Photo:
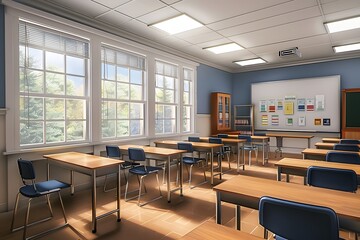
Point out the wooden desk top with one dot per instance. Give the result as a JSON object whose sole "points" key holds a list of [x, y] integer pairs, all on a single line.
{"points": [[195, 144], [154, 150], [211, 231], [320, 152], [327, 145], [305, 164], [252, 137], [343, 203], [225, 140], [84, 160], [288, 135], [331, 140]]}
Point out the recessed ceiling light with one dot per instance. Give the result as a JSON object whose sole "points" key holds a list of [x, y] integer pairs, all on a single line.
{"points": [[177, 24], [224, 48], [250, 61], [343, 25], [347, 48]]}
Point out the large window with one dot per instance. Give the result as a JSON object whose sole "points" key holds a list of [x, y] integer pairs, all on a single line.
{"points": [[53, 80], [122, 93], [166, 98], [188, 99]]}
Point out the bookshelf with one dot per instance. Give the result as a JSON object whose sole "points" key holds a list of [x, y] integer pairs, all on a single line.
{"points": [[243, 119], [220, 112]]}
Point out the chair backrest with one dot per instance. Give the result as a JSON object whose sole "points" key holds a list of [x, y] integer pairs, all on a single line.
{"points": [[113, 151], [136, 154], [349, 141], [343, 157], [346, 147], [293, 220], [332, 178], [215, 140], [185, 146], [246, 137], [194, 139], [222, 135], [26, 169]]}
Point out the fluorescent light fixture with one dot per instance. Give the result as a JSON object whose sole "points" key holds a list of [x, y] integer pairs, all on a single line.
{"points": [[224, 48], [343, 25], [250, 61], [177, 24], [347, 48]]}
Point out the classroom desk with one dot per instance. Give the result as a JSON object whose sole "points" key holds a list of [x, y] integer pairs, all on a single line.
{"points": [[162, 154], [239, 144], [93, 166], [318, 154], [209, 230], [298, 167], [197, 146], [280, 136], [331, 140], [326, 145], [247, 191]]}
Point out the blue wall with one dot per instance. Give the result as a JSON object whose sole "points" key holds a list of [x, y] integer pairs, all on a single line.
{"points": [[2, 57], [209, 80], [349, 71]]}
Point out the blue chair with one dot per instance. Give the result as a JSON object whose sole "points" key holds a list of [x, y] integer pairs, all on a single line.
{"points": [[191, 160], [138, 154], [249, 146], [225, 147], [343, 157], [349, 141], [197, 139], [346, 147], [336, 179], [194, 139], [114, 152], [298, 221], [221, 153], [31, 190]]}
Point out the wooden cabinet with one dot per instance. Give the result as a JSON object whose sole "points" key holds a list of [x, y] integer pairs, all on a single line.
{"points": [[243, 119], [350, 113], [220, 112]]}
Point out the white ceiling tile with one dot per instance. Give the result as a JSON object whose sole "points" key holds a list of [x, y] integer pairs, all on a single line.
{"points": [[89, 9], [214, 42], [199, 36], [138, 8], [340, 5], [171, 1], [111, 3], [346, 37], [114, 18], [159, 15], [352, 12]]}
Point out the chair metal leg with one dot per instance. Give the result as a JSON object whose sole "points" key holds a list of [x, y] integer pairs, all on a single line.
{"points": [[27, 218], [62, 207], [140, 187], [15, 211], [49, 204], [266, 233], [249, 157], [157, 179], [190, 173]]}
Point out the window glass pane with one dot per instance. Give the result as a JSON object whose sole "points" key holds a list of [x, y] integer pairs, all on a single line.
{"points": [[187, 112], [159, 126], [136, 127], [159, 81], [136, 111], [109, 110], [186, 125], [122, 128], [122, 110], [32, 57], [136, 76], [169, 82], [76, 109], [55, 83], [159, 111], [55, 132], [75, 86], [75, 65], [109, 89], [108, 128], [186, 86], [32, 81], [108, 71], [55, 109], [55, 62], [122, 74], [123, 91], [76, 130], [186, 98], [169, 111], [31, 108], [160, 97], [169, 126], [136, 92], [31, 132], [169, 96]]}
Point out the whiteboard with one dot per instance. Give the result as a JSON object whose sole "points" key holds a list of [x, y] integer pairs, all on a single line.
{"points": [[324, 118]]}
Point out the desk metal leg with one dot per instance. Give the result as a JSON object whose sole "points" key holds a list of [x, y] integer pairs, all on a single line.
{"points": [[238, 157], [279, 174], [237, 217], [212, 166], [118, 187], [93, 215], [263, 151], [72, 186], [181, 176], [308, 142], [48, 170], [218, 208], [168, 180]]}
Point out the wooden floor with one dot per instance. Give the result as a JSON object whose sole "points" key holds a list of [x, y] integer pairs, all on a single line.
{"points": [[157, 220]]}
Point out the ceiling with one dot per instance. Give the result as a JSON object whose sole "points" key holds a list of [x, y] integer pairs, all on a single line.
{"points": [[262, 27]]}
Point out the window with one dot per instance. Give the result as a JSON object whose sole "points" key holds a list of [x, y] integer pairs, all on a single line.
{"points": [[122, 93], [53, 80], [166, 100], [187, 99]]}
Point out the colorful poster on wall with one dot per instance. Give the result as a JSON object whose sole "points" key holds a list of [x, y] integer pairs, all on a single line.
{"points": [[301, 104], [280, 105], [302, 121], [317, 121], [326, 122], [289, 121], [271, 105], [310, 104], [264, 120], [289, 108], [263, 106], [275, 120], [320, 102]]}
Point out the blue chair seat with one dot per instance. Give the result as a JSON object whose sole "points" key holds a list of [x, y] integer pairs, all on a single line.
{"points": [[191, 160], [141, 170]]}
